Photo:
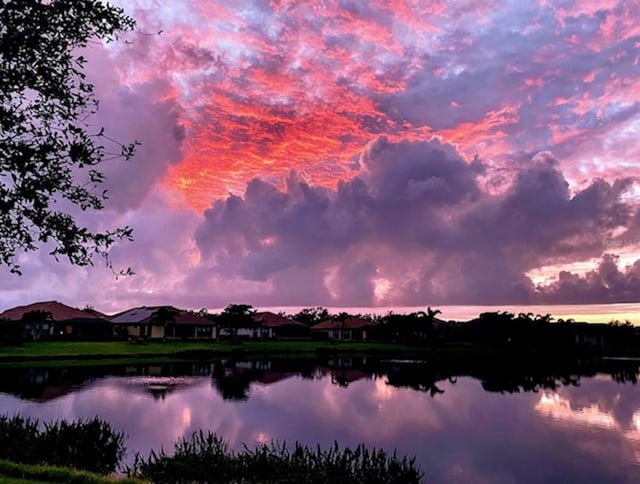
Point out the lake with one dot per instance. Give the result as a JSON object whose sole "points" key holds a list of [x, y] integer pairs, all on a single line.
{"points": [[571, 421]]}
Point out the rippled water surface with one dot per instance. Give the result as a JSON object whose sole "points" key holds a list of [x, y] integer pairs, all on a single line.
{"points": [[482, 425]]}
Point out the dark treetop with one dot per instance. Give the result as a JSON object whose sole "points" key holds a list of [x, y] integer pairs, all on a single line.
{"points": [[48, 151]]}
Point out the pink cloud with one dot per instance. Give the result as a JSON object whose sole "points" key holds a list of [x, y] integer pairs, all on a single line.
{"points": [[233, 97]]}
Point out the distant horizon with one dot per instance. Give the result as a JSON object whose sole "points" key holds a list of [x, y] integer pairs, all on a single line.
{"points": [[600, 313], [590, 313]]}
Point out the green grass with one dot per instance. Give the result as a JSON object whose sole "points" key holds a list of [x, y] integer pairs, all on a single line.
{"points": [[68, 363], [54, 353], [12, 472], [111, 348], [15, 480], [117, 349]]}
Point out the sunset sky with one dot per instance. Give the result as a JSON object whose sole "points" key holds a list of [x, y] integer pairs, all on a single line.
{"points": [[378, 153]]}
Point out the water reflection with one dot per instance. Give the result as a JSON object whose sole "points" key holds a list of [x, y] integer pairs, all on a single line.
{"points": [[529, 422]]}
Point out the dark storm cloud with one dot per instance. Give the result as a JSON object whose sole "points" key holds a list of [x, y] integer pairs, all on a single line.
{"points": [[417, 218], [608, 283]]}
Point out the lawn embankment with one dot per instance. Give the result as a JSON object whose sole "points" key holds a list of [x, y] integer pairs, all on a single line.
{"points": [[55, 353], [12, 472], [87, 353]]}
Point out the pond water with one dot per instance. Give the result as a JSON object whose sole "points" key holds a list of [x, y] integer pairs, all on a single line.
{"points": [[574, 422]]}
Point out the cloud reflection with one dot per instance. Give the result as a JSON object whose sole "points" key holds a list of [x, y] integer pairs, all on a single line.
{"points": [[463, 434]]}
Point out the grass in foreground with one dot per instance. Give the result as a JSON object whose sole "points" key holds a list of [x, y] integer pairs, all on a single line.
{"points": [[56, 451], [12, 472]]}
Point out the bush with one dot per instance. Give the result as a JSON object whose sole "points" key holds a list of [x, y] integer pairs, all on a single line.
{"points": [[84, 444], [206, 458], [92, 445], [19, 439], [48, 473], [10, 332]]}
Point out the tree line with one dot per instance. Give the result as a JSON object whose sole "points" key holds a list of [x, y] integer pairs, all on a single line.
{"points": [[499, 329]]}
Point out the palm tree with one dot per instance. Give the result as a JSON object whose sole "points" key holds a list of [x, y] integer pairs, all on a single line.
{"points": [[342, 319], [162, 317], [525, 317], [544, 319], [565, 321], [431, 317], [431, 313]]}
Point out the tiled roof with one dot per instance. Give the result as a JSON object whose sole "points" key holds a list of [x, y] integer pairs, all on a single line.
{"points": [[133, 316], [352, 322], [59, 311], [272, 320], [143, 314], [184, 317], [96, 313]]}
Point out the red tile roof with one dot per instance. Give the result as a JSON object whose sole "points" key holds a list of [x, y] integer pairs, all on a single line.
{"points": [[271, 320], [352, 322], [59, 311], [184, 317], [96, 313]]}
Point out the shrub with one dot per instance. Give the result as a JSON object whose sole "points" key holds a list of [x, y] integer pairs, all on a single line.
{"points": [[84, 444], [205, 458], [11, 332], [48, 473]]}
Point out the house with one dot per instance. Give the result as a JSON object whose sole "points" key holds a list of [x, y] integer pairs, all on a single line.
{"points": [[187, 325], [352, 328], [138, 323], [271, 325], [248, 332], [162, 322], [590, 334], [54, 320]]}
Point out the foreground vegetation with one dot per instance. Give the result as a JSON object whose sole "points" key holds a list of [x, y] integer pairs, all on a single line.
{"points": [[205, 457], [13, 472], [51, 452], [90, 445]]}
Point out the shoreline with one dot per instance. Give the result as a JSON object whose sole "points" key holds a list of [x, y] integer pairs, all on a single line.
{"points": [[115, 353]]}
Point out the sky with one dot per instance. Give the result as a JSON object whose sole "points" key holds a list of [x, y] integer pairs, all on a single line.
{"points": [[373, 154]]}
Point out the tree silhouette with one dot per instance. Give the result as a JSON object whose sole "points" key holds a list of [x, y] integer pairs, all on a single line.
{"points": [[567, 321], [36, 323], [311, 316], [11, 332], [341, 319], [413, 327], [430, 319], [164, 316], [432, 313], [544, 319], [236, 316], [48, 151]]}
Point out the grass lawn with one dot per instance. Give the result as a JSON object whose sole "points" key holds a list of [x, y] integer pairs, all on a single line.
{"points": [[13, 472], [54, 353], [118, 350], [15, 480]]}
